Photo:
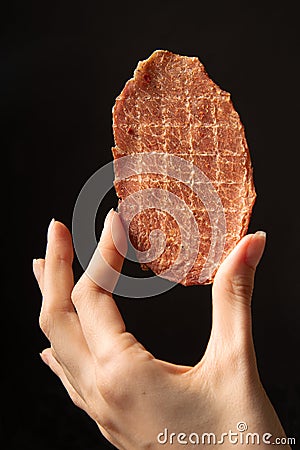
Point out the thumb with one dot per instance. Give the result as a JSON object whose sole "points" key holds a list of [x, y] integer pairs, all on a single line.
{"points": [[106, 263], [233, 286]]}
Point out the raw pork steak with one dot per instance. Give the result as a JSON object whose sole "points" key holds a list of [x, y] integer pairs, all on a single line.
{"points": [[171, 109]]}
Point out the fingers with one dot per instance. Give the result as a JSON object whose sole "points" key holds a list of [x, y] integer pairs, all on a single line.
{"points": [[50, 361], [105, 266], [99, 316], [48, 358], [88, 329], [38, 266], [58, 318], [232, 288], [58, 279]]}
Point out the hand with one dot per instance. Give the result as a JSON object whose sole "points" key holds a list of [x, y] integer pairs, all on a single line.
{"points": [[139, 401]]}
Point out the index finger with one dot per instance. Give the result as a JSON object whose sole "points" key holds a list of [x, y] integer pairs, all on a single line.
{"points": [[98, 313]]}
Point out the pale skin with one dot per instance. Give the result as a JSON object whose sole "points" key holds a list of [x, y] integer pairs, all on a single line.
{"points": [[131, 395]]}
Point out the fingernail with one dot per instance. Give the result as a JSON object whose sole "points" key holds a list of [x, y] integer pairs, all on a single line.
{"points": [[44, 358], [36, 268], [50, 228], [262, 234], [255, 248], [107, 217]]}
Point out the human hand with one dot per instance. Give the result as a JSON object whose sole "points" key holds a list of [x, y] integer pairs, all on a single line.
{"points": [[132, 396]]}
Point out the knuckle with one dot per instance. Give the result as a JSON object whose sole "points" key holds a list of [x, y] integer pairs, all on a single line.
{"points": [[119, 351], [112, 391], [45, 323], [76, 399], [114, 381], [106, 420], [118, 366], [101, 412], [77, 293], [241, 286]]}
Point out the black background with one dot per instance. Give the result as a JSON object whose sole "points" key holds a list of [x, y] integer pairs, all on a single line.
{"points": [[62, 65]]}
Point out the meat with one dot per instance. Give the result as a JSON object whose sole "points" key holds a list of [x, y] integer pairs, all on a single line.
{"points": [[182, 168]]}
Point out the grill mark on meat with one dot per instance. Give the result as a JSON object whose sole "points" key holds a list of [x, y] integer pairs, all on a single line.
{"points": [[172, 106]]}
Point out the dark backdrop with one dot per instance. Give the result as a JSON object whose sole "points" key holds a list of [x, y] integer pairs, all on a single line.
{"points": [[62, 65]]}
